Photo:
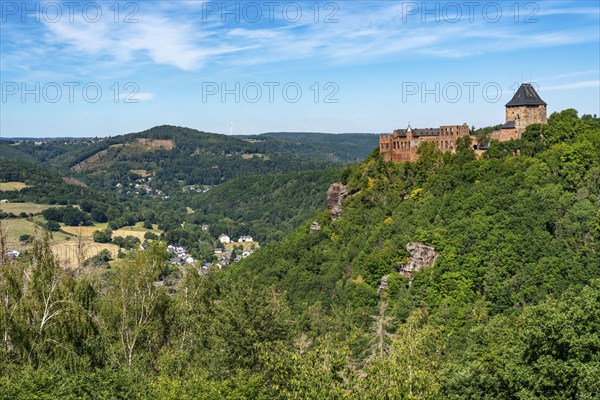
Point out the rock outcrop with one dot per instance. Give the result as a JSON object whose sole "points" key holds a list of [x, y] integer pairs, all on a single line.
{"points": [[335, 195], [421, 256], [383, 284]]}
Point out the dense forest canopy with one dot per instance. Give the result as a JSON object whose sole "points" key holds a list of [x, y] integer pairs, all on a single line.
{"points": [[509, 309]]}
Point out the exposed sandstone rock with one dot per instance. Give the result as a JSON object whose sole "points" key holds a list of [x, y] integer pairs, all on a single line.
{"points": [[421, 256], [384, 283], [335, 195]]}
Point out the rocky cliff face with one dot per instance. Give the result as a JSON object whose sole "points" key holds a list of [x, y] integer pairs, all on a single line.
{"points": [[335, 195], [421, 256]]}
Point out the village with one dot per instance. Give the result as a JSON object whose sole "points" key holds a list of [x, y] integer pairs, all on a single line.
{"points": [[227, 251]]}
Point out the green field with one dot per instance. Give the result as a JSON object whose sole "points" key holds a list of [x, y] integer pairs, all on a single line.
{"points": [[137, 230], [29, 208], [63, 245], [245, 245], [21, 226], [5, 186], [18, 227]]}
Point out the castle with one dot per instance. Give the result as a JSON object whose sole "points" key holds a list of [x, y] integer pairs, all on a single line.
{"points": [[525, 108]]}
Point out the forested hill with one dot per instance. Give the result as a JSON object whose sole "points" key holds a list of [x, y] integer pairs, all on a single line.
{"points": [[506, 310], [171, 154], [346, 147], [509, 309]]}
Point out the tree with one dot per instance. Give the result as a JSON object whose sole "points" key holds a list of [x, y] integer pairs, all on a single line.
{"points": [[52, 226], [104, 236], [41, 319], [150, 236], [53, 214], [25, 238], [412, 370], [128, 242], [133, 309], [248, 314], [3, 242], [81, 249], [99, 215]]}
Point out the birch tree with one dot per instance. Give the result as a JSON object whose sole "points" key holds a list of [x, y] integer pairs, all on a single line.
{"points": [[133, 307]]}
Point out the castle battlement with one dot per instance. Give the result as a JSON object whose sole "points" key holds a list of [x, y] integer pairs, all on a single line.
{"points": [[402, 144]]}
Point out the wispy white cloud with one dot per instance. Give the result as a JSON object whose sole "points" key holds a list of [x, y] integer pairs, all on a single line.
{"points": [[178, 35], [163, 40], [573, 85], [136, 97], [569, 75], [548, 11]]}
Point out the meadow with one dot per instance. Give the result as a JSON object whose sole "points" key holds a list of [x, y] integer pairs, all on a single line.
{"points": [[28, 208], [6, 186]]}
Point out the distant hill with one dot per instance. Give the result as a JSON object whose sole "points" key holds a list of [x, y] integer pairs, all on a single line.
{"points": [[172, 153], [11, 152], [342, 147], [261, 185]]}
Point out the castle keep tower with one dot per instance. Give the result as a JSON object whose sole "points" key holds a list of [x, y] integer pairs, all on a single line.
{"points": [[525, 108]]}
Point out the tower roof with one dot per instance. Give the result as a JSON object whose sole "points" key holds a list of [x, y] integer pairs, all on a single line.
{"points": [[526, 96]]}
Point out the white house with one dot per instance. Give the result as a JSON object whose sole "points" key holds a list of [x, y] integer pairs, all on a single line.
{"points": [[224, 239], [12, 254], [243, 239]]}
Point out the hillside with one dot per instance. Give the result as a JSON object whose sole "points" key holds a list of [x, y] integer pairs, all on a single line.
{"points": [[346, 147], [158, 175], [510, 308], [8, 152], [516, 237], [170, 153], [264, 206]]}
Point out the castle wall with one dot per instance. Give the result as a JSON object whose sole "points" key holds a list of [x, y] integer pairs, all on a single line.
{"points": [[505, 135], [404, 148]]}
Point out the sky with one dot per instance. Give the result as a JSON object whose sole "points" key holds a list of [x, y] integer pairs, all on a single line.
{"points": [[86, 68]]}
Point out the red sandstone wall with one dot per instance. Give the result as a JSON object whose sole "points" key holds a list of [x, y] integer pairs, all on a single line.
{"points": [[505, 135], [397, 149]]}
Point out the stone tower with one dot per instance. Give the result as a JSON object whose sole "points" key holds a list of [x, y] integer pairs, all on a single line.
{"points": [[525, 108]]}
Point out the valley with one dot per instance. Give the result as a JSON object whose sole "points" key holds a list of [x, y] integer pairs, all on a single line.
{"points": [[435, 264]]}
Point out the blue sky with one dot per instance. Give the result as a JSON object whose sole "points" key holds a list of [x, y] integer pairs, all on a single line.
{"points": [[369, 66]]}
